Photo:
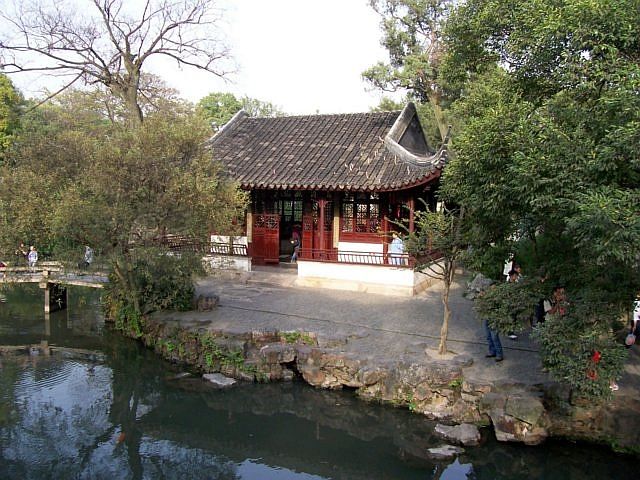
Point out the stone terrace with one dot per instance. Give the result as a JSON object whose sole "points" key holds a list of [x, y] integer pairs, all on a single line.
{"points": [[385, 348]]}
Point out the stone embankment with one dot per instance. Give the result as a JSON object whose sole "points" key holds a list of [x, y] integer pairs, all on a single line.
{"points": [[446, 390]]}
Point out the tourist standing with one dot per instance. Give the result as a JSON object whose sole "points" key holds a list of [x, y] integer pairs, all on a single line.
{"points": [[21, 255], [88, 257], [295, 240], [538, 309], [508, 266], [493, 339], [635, 323], [396, 250], [32, 257], [556, 304], [635, 326]]}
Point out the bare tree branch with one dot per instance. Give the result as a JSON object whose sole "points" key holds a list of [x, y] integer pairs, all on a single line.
{"points": [[51, 95], [106, 45]]}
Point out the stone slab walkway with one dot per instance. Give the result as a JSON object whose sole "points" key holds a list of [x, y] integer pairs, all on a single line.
{"points": [[378, 326]]}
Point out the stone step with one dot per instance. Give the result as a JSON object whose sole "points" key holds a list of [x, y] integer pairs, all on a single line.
{"points": [[285, 277]]}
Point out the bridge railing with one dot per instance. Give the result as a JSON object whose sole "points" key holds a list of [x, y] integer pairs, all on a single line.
{"points": [[177, 243], [38, 268], [49, 269]]}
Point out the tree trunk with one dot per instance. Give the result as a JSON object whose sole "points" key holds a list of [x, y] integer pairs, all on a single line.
{"points": [[123, 273], [127, 90], [133, 108], [436, 103], [444, 330]]}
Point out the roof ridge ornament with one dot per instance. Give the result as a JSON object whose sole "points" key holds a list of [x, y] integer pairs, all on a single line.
{"points": [[239, 115], [437, 159]]}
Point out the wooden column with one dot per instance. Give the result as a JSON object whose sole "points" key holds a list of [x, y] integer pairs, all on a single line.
{"points": [[55, 297], [249, 227], [412, 206], [322, 203], [385, 237], [336, 220]]}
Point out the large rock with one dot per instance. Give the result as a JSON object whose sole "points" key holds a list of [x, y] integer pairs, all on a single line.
{"points": [[479, 284], [527, 408], [516, 417], [219, 380], [444, 451], [464, 434], [206, 303], [278, 353]]}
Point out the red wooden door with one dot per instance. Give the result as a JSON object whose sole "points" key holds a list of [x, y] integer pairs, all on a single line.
{"points": [[312, 240], [307, 232], [265, 244]]}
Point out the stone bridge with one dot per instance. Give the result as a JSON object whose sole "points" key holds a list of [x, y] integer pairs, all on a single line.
{"points": [[53, 278]]}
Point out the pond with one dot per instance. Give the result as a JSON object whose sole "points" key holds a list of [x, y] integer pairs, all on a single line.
{"points": [[103, 407]]}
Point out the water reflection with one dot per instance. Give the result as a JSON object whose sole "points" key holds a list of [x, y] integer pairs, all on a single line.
{"points": [[122, 415]]}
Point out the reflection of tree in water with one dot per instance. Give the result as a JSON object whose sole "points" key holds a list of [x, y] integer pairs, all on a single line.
{"points": [[23, 321], [19, 312], [132, 396], [127, 391], [10, 373], [454, 471], [68, 419], [44, 439], [165, 459]]}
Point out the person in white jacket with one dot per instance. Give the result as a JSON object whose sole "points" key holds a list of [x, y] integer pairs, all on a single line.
{"points": [[32, 257]]}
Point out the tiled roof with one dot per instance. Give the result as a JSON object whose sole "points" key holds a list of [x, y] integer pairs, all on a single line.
{"points": [[324, 152]]}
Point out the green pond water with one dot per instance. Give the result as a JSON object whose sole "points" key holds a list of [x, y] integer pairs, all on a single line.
{"points": [[120, 413]]}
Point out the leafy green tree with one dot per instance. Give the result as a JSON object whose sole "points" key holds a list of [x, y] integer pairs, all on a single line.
{"points": [[438, 246], [547, 155], [218, 108], [259, 108], [11, 103], [388, 104], [77, 177], [412, 34]]}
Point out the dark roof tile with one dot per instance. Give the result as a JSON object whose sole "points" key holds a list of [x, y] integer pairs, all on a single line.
{"points": [[331, 152]]}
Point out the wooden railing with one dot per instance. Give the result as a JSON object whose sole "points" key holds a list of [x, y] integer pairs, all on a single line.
{"points": [[235, 249], [177, 243], [357, 258], [46, 273]]}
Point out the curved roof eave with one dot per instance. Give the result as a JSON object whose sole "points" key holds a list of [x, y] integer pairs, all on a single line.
{"points": [[435, 173]]}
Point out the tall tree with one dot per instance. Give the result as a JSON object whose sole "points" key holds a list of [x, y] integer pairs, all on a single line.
{"points": [[218, 108], [110, 42], [412, 34], [92, 180], [547, 159], [439, 233], [11, 102], [388, 104]]}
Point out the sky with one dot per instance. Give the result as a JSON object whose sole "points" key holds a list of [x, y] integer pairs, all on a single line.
{"points": [[304, 56]]}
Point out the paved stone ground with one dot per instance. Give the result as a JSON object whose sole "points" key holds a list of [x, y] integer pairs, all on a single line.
{"points": [[378, 326]]}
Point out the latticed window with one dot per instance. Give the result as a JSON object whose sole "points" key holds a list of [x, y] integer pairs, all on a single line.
{"points": [[290, 207], [361, 213], [347, 217], [288, 204], [328, 215]]}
